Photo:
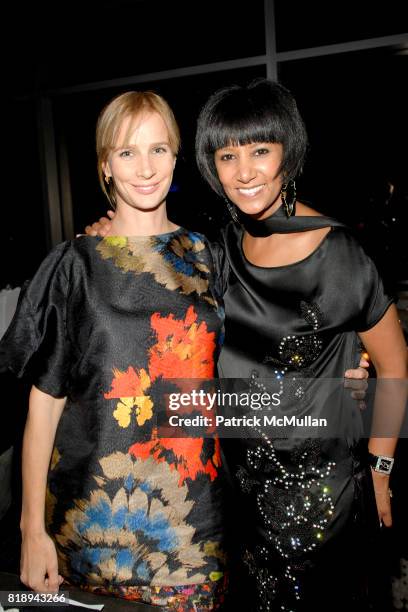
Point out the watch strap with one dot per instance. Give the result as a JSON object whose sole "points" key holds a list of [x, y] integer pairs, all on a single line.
{"points": [[381, 463]]}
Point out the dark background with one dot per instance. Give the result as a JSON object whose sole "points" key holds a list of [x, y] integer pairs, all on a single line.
{"points": [[354, 104]]}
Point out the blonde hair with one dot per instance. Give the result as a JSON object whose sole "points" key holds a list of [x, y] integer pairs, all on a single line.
{"points": [[130, 104]]}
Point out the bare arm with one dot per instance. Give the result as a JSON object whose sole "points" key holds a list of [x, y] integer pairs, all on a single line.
{"points": [[39, 565], [386, 345]]}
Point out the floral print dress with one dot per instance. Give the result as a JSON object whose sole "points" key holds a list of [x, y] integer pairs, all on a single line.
{"points": [[109, 323]]}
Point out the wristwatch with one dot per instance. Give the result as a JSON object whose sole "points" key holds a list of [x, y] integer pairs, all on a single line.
{"points": [[380, 463]]}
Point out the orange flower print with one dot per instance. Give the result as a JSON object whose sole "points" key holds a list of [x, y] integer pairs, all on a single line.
{"points": [[182, 454], [184, 348], [130, 386]]}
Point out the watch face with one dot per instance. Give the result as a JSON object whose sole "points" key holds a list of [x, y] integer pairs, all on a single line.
{"points": [[384, 465]]}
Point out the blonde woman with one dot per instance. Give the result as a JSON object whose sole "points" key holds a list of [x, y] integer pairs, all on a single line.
{"points": [[107, 504]]}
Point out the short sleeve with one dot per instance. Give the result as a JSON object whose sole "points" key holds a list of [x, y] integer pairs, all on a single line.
{"points": [[377, 300], [221, 266], [371, 298], [36, 342]]}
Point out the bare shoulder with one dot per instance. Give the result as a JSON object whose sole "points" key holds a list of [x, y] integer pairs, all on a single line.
{"points": [[308, 241], [305, 211]]}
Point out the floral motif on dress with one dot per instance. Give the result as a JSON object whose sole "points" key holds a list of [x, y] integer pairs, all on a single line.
{"points": [[295, 507], [188, 456], [137, 521], [184, 349], [177, 263], [297, 353], [206, 596], [133, 528]]}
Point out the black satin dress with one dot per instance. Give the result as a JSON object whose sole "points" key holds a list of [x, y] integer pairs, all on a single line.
{"points": [[304, 509]]}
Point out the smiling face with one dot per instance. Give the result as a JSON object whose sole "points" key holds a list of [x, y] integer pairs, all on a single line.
{"points": [[249, 175], [142, 162]]}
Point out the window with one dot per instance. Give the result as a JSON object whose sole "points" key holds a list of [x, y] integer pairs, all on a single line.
{"points": [[354, 106]]}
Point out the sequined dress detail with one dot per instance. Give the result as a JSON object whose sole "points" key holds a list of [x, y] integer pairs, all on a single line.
{"points": [[303, 502]]}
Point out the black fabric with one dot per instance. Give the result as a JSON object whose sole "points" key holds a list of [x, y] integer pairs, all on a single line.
{"points": [[280, 223], [107, 322], [263, 305], [307, 519], [36, 342]]}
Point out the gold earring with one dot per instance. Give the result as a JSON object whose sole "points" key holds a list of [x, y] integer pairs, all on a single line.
{"points": [[107, 179], [288, 195]]}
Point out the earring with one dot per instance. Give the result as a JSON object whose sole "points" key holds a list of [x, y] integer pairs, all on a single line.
{"points": [[288, 195], [232, 210], [111, 192]]}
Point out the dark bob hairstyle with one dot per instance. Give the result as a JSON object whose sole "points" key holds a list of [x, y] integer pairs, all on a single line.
{"points": [[263, 111]]}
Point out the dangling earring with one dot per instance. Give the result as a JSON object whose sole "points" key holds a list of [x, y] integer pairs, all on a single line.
{"points": [[288, 195], [110, 192], [232, 210]]}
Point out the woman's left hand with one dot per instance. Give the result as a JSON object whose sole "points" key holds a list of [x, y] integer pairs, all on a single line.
{"points": [[382, 497]]}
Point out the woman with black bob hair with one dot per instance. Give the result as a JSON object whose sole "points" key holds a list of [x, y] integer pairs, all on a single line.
{"points": [[262, 112], [299, 291]]}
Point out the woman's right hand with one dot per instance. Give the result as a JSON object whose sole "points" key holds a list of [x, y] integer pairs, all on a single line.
{"points": [[101, 227], [39, 563]]}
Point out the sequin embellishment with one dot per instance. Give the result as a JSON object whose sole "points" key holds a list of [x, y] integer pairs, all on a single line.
{"points": [[295, 508], [298, 352]]}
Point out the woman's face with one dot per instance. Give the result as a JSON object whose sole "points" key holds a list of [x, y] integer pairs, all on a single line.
{"points": [[249, 175], [142, 163]]}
